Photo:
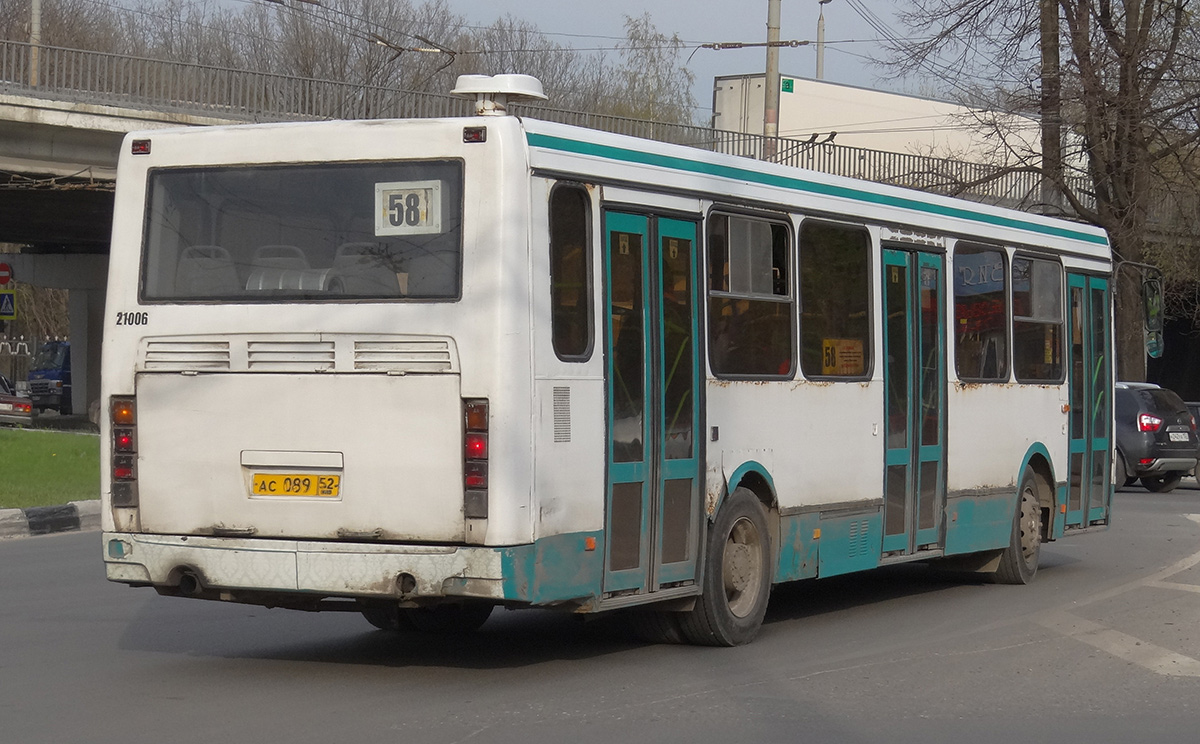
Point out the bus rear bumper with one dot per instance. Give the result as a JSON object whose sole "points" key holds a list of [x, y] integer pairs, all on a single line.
{"points": [[351, 570]]}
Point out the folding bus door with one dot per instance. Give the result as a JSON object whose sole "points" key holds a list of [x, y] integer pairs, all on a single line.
{"points": [[1090, 389], [653, 369], [915, 400]]}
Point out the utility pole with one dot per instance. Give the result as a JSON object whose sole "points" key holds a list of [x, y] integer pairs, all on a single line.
{"points": [[1051, 107], [771, 112], [821, 40], [35, 39]]}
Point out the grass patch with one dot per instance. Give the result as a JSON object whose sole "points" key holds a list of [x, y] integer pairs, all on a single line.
{"points": [[46, 468]]}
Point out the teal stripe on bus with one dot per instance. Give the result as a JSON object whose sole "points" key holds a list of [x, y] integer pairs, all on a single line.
{"points": [[799, 184]]}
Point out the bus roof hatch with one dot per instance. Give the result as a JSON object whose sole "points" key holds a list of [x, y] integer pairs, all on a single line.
{"points": [[493, 92]]}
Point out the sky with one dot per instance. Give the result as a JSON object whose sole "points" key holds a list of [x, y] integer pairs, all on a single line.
{"points": [[600, 23]]}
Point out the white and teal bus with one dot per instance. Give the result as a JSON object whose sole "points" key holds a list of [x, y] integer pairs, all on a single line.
{"points": [[423, 368]]}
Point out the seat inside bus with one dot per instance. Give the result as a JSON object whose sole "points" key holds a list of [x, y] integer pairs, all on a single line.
{"points": [[206, 271]]}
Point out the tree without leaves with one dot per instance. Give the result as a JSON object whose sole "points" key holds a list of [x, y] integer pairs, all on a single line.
{"points": [[374, 43], [1129, 95]]}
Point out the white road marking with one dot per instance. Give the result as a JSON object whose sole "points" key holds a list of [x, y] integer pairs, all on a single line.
{"points": [[1175, 586], [1143, 653]]}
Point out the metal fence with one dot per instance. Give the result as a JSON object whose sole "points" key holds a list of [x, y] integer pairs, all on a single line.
{"points": [[242, 95], [16, 355]]}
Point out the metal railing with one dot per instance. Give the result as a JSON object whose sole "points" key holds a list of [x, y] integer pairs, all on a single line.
{"points": [[243, 95]]}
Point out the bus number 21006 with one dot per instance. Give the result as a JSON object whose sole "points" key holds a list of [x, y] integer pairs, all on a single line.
{"points": [[133, 319]]}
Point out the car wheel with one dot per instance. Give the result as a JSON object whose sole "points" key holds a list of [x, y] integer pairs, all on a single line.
{"points": [[1162, 483], [1124, 477]]}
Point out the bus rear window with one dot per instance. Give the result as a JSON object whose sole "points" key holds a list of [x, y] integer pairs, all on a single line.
{"points": [[345, 231]]}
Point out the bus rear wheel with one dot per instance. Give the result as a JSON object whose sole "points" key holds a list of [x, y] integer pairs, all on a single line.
{"points": [[737, 576], [1019, 562], [448, 619], [387, 616]]}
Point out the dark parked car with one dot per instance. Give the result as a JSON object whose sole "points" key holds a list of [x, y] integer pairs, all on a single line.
{"points": [[14, 409], [1156, 436]]}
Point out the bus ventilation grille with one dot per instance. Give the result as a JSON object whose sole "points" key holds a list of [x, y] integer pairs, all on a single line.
{"points": [[290, 356], [562, 414], [403, 356], [859, 534], [186, 355]]}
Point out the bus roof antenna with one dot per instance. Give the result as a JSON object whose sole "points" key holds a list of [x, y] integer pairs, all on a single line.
{"points": [[492, 93]]}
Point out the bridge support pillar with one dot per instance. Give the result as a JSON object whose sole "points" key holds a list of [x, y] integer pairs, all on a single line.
{"points": [[84, 276]]}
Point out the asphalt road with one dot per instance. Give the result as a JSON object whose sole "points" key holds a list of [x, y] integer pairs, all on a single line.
{"points": [[1104, 646]]}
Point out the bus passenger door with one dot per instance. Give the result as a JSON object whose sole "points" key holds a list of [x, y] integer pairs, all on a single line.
{"points": [[652, 515], [1091, 401], [915, 400]]}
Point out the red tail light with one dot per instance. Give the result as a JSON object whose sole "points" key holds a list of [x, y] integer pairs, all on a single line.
{"points": [[1146, 422], [475, 458], [476, 445], [123, 415]]}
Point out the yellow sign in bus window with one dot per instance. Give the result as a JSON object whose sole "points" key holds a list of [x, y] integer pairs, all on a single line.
{"points": [[842, 356]]}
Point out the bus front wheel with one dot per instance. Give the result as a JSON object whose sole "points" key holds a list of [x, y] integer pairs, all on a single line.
{"points": [[737, 576], [1019, 562]]}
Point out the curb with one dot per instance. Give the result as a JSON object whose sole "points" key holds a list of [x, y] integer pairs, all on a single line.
{"points": [[76, 516]]}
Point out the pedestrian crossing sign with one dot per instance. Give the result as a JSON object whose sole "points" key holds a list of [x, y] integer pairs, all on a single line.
{"points": [[8, 305]]}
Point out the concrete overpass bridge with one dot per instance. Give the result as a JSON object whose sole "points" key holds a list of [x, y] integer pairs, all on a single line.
{"points": [[64, 112], [63, 115]]}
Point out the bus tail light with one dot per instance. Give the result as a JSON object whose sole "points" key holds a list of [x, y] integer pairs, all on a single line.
{"points": [[1146, 422], [475, 458], [123, 414]]}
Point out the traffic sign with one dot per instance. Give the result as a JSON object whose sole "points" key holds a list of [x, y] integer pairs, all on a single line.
{"points": [[8, 304], [5, 274]]}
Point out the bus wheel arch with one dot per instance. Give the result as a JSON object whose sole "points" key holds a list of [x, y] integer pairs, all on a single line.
{"points": [[754, 477]]}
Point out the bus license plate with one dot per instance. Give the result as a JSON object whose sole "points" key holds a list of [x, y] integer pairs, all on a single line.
{"points": [[1179, 436], [295, 484]]}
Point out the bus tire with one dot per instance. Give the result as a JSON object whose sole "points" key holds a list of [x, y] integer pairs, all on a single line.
{"points": [[387, 617], [656, 626], [737, 576], [448, 619], [1019, 562]]}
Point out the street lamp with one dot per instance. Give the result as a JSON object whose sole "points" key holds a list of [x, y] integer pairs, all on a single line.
{"points": [[821, 40]]}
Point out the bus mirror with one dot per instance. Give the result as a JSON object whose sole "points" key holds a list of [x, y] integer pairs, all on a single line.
{"points": [[1152, 303]]}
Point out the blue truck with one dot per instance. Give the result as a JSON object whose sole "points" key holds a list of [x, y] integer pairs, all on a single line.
{"points": [[50, 377]]}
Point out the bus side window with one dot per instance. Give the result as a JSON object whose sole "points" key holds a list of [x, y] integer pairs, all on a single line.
{"points": [[835, 300], [1037, 302], [980, 314], [570, 286], [750, 299]]}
